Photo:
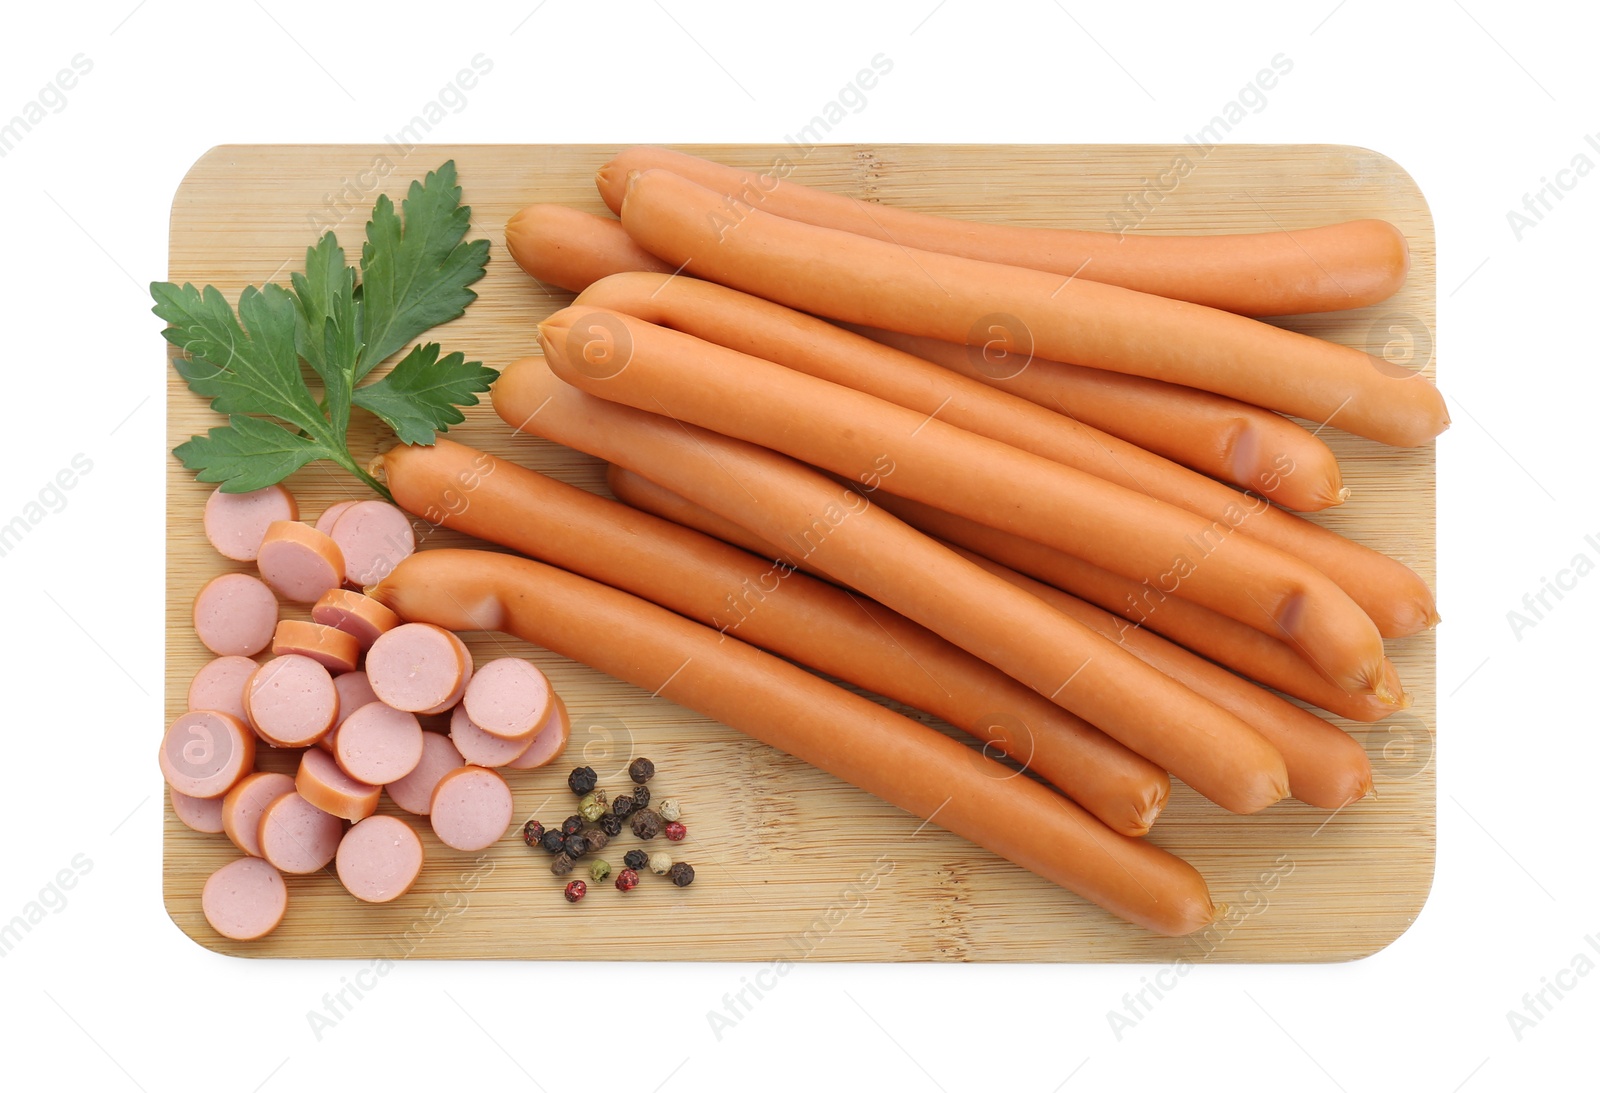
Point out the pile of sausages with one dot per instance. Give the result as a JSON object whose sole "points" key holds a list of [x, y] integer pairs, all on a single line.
{"points": [[347, 689], [842, 445]]}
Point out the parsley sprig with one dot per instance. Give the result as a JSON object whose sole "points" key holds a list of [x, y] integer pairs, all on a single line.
{"points": [[254, 362]]}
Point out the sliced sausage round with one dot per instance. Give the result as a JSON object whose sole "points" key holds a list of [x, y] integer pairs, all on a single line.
{"points": [[414, 792], [234, 615], [299, 562], [203, 814], [245, 899], [508, 697], [374, 537], [415, 667], [236, 523], [471, 808], [360, 616], [205, 752], [549, 741], [379, 744], [379, 859], [244, 804], [297, 836], [320, 781], [220, 686], [481, 748], [333, 649], [292, 701], [330, 516]]}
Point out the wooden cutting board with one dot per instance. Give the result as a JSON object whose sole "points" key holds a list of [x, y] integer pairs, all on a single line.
{"points": [[791, 863]]}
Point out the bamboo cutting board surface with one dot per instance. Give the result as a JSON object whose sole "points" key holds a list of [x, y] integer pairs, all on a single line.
{"points": [[791, 863]]}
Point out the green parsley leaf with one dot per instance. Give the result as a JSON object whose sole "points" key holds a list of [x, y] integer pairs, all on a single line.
{"points": [[248, 453], [414, 277], [422, 392], [415, 270]]}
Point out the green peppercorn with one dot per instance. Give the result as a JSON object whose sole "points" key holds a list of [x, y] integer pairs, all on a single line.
{"points": [[681, 874], [611, 824], [599, 870], [635, 859], [646, 824], [593, 805], [641, 770], [562, 864], [582, 780], [669, 809], [660, 863]]}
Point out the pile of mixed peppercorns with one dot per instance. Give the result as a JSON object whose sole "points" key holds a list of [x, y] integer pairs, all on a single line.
{"points": [[599, 820]]}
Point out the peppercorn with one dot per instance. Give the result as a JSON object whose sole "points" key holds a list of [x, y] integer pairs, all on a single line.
{"points": [[682, 874], [623, 806], [582, 780], [562, 864], [600, 870], [641, 797], [669, 808], [532, 832], [660, 863], [641, 770], [572, 825], [675, 831], [627, 880], [576, 890], [593, 805], [635, 859], [646, 824], [577, 846], [596, 838], [552, 840], [611, 824]]}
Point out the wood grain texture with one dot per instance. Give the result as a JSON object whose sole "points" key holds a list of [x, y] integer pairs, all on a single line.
{"points": [[791, 863]]}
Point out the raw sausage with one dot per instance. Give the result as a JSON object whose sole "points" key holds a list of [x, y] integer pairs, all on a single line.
{"points": [[220, 686], [245, 899], [508, 697], [379, 859], [362, 617], [292, 701], [244, 804], [334, 649], [296, 836], [415, 667], [570, 249], [379, 744], [373, 537], [414, 792], [204, 752], [909, 765], [320, 781], [299, 562], [471, 807]]}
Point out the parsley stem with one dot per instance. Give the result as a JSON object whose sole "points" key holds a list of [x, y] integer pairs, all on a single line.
{"points": [[344, 460]]}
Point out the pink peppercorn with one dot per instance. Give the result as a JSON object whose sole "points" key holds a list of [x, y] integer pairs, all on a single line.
{"points": [[675, 831], [627, 880], [576, 890]]}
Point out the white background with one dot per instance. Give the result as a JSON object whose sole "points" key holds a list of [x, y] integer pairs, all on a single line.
{"points": [[1480, 101]]}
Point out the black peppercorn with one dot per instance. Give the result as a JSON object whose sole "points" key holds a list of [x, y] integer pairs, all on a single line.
{"points": [[532, 832], [636, 859], [611, 825], [595, 838], [681, 874], [582, 780], [623, 805], [641, 797], [641, 770], [572, 825], [646, 824], [577, 846], [552, 840]]}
